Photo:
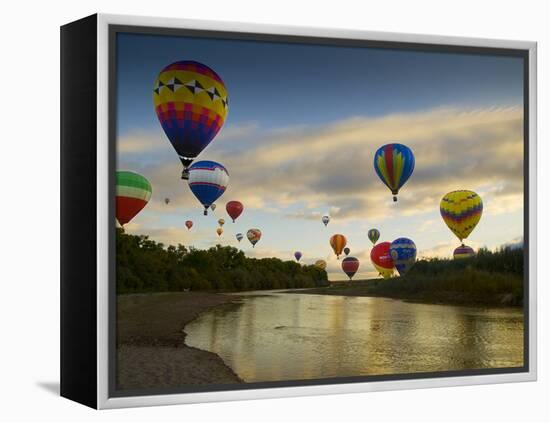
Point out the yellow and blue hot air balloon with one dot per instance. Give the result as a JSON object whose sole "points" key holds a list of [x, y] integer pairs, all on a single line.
{"points": [[461, 210], [394, 164], [191, 104]]}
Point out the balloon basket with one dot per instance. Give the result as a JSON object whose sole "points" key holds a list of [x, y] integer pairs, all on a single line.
{"points": [[394, 199], [205, 212]]}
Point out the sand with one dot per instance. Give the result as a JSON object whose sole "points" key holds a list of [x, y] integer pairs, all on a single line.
{"points": [[151, 350]]}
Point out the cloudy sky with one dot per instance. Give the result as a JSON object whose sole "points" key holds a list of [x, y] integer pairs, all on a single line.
{"points": [[303, 126]]}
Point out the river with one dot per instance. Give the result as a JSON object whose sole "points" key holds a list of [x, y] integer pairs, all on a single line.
{"points": [[274, 336]]}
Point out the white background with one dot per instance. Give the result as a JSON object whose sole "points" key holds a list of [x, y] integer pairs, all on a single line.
{"points": [[29, 263]]}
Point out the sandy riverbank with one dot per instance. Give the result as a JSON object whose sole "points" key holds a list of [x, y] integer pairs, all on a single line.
{"points": [[151, 350]]}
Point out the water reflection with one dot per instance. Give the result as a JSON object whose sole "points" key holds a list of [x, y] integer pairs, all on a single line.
{"points": [[296, 336]]}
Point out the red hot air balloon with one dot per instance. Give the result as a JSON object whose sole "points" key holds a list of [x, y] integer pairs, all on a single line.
{"points": [[133, 192], [189, 224], [350, 265], [234, 209], [381, 258]]}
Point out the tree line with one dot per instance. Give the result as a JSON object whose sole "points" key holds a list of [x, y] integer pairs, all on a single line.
{"points": [[503, 260], [489, 278], [143, 265]]}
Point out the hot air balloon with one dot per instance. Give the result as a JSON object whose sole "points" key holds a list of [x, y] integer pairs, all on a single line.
{"points": [[239, 237], [189, 224], [208, 181], [394, 164], [338, 242], [221, 222], [234, 209], [133, 192], [381, 259], [347, 251], [321, 264], [254, 236], [297, 255], [350, 266], [325, 219], [463, 252], [191, 103], [213, 207], [166, 201], [219, 231], [461, 211], [374, 234], [403, 253]]}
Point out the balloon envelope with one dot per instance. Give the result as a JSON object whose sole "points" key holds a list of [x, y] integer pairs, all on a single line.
{"points": [[463, 252], [191, 104], [338, 242], [234, 209], [166, 200], [208, 181], [374, 235], [461, 211], [325, 219], [239, 237], [394, 164], [133, 192], [219, 231], [213, 207], [321, 264], [350, 266], [254, 236], [221, 222], [347, 251], [403, 254], [297, 255], [381, 259], [189, 224]]}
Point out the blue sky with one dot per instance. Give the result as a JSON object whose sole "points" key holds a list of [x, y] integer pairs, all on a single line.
{"points": [[303, 124]]}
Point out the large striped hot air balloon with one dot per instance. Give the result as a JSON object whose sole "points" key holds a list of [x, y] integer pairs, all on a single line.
{"points": [[403, 254], [463, 252], [381, 259], [394, 164], [350, 266], [338, 242], [191, 104], [461, 211], [208, 181], [133, 192]]}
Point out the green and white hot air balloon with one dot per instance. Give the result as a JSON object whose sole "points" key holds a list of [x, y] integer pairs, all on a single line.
{"points": [[133, 192]]}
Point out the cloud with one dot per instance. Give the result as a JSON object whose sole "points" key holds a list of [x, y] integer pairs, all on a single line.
{"points": [[304, 171]]}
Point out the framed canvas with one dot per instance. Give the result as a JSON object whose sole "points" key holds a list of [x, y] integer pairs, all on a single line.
{"points": [[253, 211]]}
